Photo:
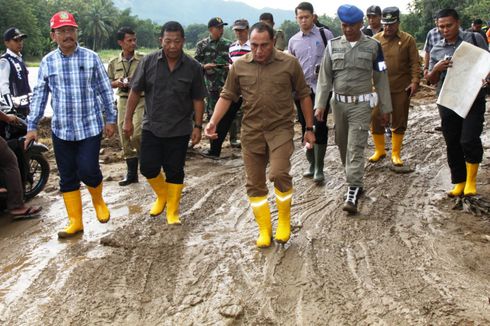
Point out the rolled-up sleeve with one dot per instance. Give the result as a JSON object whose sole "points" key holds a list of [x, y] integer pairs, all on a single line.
{"points": [[231, 89]]}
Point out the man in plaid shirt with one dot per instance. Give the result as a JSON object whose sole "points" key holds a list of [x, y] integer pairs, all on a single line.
{"points": [[81, 94]]}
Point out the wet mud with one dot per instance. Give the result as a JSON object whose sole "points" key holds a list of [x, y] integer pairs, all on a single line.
{"points": [[407, 258]]}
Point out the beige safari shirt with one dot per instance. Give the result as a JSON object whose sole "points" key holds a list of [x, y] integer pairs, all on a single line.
{"points": [[119, 67], [351, 70], [402, 59], [267, 92]]}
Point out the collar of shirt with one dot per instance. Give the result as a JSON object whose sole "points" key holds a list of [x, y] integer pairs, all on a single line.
{"points": [[274, 57], [397, 35], [15, 55], [363, 37], [314, 30], [74, 52], [459, 38], [180, 61], [247, 43], [136, 57]]}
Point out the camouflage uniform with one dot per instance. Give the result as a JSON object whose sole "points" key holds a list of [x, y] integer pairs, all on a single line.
{"points": [[210, 51]]}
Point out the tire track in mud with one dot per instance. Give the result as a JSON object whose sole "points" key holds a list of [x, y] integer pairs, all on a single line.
{"points": [[406, 259]]}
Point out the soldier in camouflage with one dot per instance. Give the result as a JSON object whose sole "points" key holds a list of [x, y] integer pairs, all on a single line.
{"points": [[212, 53]]}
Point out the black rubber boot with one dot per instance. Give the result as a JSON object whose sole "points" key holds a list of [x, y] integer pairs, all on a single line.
{"points": [[132, 176]]}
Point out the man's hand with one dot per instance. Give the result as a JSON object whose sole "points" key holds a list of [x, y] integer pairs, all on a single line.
{"points": [[208, 66], [109, 129], [210, 131], [442, 65], [319, 114], [30, 137], [128, 128], [412, 89], [195, 136], [310, 138]]}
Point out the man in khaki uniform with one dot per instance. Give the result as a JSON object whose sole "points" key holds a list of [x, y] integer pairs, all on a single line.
{"points": [[120, 70], [350, 65], [266, 78], [402, 60]]}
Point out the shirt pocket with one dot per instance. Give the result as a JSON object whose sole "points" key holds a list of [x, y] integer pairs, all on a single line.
{"points": [[338, 61], [364, 61], [182, 86], [247, 85]]}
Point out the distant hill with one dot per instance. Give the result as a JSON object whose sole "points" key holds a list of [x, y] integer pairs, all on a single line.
{"points": [[198, 11]]}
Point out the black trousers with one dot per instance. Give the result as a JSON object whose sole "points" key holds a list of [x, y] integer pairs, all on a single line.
{"points": [[168, 153], [223, 127], [321, 129], [462, 138]]}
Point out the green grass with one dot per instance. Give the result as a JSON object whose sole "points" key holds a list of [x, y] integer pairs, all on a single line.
{"points": [[105, 55]]}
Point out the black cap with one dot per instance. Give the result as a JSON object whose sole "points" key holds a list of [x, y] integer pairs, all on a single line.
{"points": [[373, 11], [390, 15], [13, 34], [478, 21], [216, 22], [240, 24]]}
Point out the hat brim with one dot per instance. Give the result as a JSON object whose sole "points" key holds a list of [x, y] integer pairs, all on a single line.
{"points": [[65, 24], [240, 27], [17, 37], [389, 22]]}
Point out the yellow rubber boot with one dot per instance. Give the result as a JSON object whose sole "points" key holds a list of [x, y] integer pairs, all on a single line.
{"points": [[262, 214], [283, 202], [457, 190], [73, 204], [471, 172], [396, 146], [174, 192], [101, 209], [159, 186], [379, 148]]}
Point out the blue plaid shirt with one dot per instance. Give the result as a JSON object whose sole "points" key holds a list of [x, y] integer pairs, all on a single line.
{"points": [[81, 92]]}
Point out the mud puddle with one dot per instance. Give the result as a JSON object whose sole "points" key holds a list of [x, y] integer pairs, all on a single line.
{"points": [[406, 259]]}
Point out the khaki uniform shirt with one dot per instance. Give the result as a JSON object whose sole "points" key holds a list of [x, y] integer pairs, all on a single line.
{"points": [[351, 70], [402, 59], [119, 67], [267, 91]]}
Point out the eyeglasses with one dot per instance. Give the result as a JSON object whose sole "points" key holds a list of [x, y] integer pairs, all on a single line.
{"points": [[62, 31]]}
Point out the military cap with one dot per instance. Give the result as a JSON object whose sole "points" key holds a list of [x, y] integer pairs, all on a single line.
{"points": [[350, 14], [390, 15], [216, 22], [13, 34], [373, 11]]}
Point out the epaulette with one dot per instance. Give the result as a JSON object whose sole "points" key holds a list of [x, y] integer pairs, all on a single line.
{"points": [[336, 38]]}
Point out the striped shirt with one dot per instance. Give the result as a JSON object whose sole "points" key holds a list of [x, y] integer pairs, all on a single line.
{"points": [[81, 92], [237, 50]]}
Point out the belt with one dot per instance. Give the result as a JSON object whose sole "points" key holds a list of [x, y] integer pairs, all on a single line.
{"points": [[352, 99]]}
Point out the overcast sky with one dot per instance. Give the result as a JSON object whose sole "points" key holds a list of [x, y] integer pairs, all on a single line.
{"points": [[328, 7]]}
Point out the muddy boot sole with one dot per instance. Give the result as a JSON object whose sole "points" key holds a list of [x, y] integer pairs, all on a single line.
{"points": [[66, 235]]}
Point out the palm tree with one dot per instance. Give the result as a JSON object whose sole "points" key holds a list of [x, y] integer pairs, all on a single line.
{"points": [[99, 22]]}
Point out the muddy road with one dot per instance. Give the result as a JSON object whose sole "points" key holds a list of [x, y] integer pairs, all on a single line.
{"points": [[408, 258]]}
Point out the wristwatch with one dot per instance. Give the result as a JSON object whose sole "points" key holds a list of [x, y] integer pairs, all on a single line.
{"points": [[198, 126], [309, 129]]}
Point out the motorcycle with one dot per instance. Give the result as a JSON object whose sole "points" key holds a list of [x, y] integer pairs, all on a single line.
{"points": [[33, 166]]}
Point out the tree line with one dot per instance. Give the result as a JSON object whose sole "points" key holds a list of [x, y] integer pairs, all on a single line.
{"points": [[98, 21]]}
